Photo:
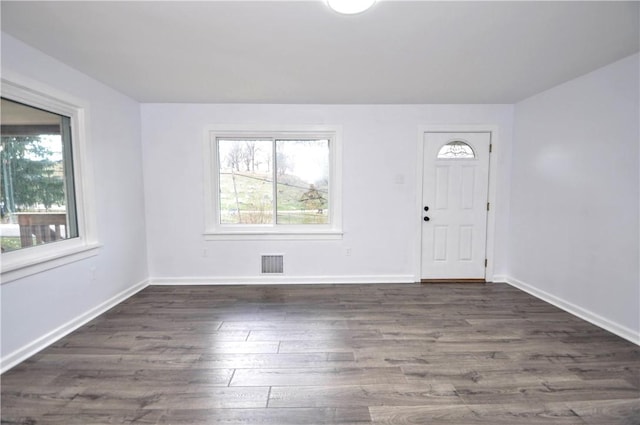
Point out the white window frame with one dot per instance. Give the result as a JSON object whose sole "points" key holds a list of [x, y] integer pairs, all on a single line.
{"points": [[28, 261], [214, 230]]}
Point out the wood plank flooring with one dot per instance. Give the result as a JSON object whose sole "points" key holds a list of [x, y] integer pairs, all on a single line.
{"points": [[330, 354]]}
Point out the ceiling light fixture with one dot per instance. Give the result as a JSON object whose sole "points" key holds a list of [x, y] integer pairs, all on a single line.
{"points": [[350, 7]]}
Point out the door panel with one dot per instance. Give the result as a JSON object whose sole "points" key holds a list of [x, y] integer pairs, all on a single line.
{"points": [[466, 189], [442, 188], [455, 188], [465, 245]]}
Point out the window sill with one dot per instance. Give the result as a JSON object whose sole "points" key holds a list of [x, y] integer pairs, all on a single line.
{"points": [[18, 264], [272, 235]]}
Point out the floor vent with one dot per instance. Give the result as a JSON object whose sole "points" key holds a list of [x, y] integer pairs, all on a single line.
{"points": [[272, 264]]}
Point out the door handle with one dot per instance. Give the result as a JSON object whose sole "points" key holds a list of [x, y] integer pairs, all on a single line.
{"points": [[426, 208], [426, 218]]}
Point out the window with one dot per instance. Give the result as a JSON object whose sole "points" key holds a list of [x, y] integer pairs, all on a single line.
{"points": [[37, 195], [273, 184], [43, 207], [456, 149]]}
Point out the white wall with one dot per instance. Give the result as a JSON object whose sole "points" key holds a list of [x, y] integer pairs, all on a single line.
{"points": [[35, 308], [574, 196], [379, 217]]}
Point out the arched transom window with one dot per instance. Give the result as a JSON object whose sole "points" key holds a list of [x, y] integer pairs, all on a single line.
{"points": [[456, 149]]}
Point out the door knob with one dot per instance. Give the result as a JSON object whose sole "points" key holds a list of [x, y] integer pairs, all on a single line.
{"points": [[426, 218], [426, 208]]}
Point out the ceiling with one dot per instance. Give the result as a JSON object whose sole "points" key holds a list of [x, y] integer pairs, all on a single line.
{"points": [[301, 52]]}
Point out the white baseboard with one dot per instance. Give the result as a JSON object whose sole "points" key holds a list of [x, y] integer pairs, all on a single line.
{"points": [[21, 354], [499, 278], [593, 318], [280, 279]]}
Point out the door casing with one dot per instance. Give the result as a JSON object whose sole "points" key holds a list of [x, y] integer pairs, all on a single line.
{"points": [[444, 128]]}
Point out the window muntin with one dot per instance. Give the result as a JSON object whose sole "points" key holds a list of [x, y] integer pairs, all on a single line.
{"points": [[37, 193], [273, 181], [456, 149]]}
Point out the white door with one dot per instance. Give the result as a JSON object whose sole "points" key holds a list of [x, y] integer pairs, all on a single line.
{"points": [[454, 201]]}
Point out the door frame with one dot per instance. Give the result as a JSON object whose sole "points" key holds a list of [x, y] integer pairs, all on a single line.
{"points": [[491, 214]]}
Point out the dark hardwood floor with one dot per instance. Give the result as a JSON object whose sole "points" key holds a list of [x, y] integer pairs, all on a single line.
{"points": [[348, 354]]}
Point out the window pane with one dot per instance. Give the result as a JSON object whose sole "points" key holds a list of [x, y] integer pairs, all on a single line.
{"points": [[456, 150], [36, 179], [246, 181], [302, 181]]}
